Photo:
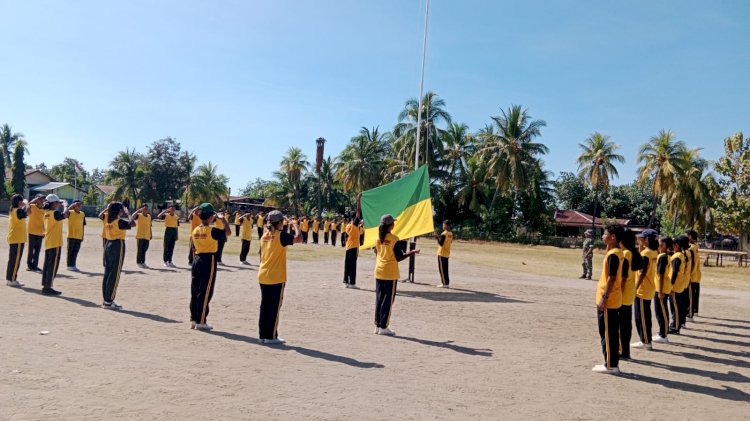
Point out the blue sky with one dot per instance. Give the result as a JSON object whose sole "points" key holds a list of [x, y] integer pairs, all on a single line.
{"points": [[239, 82]]}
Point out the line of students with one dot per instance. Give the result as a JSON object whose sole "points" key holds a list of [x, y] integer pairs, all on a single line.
{"points": [[664, 270]]}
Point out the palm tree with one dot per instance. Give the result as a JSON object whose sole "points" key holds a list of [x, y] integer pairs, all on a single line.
{"points": [[186, 170], [690, 198], [208, 185], [508, 147], [294, 163], [458, 147], [360, 165], [661, 162], [8, 141], [405, 133], [596, 164], [127, 174], [326, 184], [474, 191]]}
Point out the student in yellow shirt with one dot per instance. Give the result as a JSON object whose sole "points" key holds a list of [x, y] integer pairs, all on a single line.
{"points": [[16, 236], [344, 226], [195, 220], [334, 231], [171, 233], [304, 228], [259, 223], [246, 234], [352, 252], [445, 239], [142, 235], [206, 237], [36, 233], [387, 273], [76, 224], [609, 300], [663, 286], [103, 218], [236, 223], [678, 262], [681, 290], [54, 213], [631, 264], [222, 216], [645, 287], [272, 275], [114, 251], [326, 230], [695, 275], [315, 229]]}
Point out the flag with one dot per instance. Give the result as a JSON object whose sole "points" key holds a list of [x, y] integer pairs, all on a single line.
{"points": [[407, 199]]}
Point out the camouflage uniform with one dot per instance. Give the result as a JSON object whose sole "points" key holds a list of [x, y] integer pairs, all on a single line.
{"points": [[588, 255]]}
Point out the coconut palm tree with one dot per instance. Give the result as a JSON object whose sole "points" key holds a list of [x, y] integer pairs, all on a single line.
{"points": [[8, 140], [127, 174], [690, 198], [405, 133], [660, 163], [458, 146], [361, 164], [474, 191], [208, 185], [294, 163], [508, 147], [596, 163]]}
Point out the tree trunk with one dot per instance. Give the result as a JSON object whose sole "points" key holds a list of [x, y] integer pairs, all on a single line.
{"points": [[494, 199]]}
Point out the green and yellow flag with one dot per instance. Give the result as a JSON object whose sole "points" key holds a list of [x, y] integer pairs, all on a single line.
{"points": [[407, 199]]}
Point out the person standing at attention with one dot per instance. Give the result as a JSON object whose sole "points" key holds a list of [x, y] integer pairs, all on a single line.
{"points": [[631, 264], [36, 233], [171, 233], [677, 262], [195, 220], [587, 252], [53, 217], [246, 235], [609, 300], [272, 275], [663, 289], [334, 231], [76, 224], [352, 252], [114, 251], [695, 275], [142, 235], [236, 223], [315, 229], [16, 237], [445, 239], [304, 227], [645, 287], [221, 222], [387, 273], [206, 238], [326, 230]]}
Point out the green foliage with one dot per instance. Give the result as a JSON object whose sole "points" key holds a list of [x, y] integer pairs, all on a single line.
{"points": [[66, 172], [18, 170], [732, 214], [571, 192], [167, 171]]}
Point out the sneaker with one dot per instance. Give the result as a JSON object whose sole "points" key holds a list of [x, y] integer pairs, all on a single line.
{"points": [[674, 331], [649, 347], [111, 305], [604, 370], [15, 284], [690, 319], [50, 291], [245, 262], [172, 265], [439, 286], [386, 331], [588, 278], [277, 341], [220, 264], [346, 285], [73, 269], [192, 324], [582, 277], [352, 286], [203, 326], [377, 331], [660, 340], [638, 344], [167, 265]]}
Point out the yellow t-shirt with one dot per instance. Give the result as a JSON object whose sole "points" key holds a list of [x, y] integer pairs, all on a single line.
{"points": [[16, 228], [112, 230], [195, 220], [326, 226], [246, 228], [316, 226], [203, 241], [628, 284], [53, 228], [334, 226], [695, 274], [143, 227], [665, 278], [304, 226], [272, 268], [352, 237], [614, 300], [171, 221], [647, 288], [36, 220], [76, 220], [104, 228], [386, 265], [445, 249], [260, 220], [236, 218], [680, 282], [218, 224]]}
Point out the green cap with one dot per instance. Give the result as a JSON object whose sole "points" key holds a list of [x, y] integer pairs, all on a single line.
{"points": [[206, 210]]}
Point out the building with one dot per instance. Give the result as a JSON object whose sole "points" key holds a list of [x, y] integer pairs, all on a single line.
{"points": [[34, 178], [65, 191], [570, 223], [104, 192]]}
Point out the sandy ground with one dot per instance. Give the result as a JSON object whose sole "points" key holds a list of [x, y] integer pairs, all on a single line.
{"points": [[499, 345]]}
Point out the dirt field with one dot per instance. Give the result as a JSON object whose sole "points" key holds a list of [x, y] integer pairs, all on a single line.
{"points": [[509, 341]]}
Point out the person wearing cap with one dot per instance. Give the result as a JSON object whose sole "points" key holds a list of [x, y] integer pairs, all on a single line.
{"points": [[207, 238], [678, 261], [171, 233], [587, 254], [445, 240], [609, 300], [53, 217], [645, 287], [695, 275], [387, 273], [352, 252], [36, 233], [272, 275], [76, 224], [195, 220], [116, 223], [246, 235], [663, 286], [143, 234], [16, 237]]}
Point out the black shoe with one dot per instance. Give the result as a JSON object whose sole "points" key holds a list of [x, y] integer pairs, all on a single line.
{"points": [[674, 332], [582, 277], [50, 291], [588, 278]]}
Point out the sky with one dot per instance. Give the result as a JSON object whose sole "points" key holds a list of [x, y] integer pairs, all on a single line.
{"points": [[239, 82]]}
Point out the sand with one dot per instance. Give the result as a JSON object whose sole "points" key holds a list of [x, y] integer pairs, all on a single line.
{"points": [[499, 345]]}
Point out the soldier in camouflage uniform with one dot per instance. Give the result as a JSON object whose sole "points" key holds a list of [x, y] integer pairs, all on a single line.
{"points": [[587, 254]]}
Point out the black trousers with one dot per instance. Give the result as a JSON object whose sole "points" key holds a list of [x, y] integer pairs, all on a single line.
{"points": [[244, 250], [695, 295], [325, 238], [203, 277], [642, 308], [675, 308], [443, 268], [14, 261], [304, 237], [315, 237], [236, 230], [333, 238], [35, 249], [626, 329], [271, 298], [343, 239], [683, 300], [260, 232], [51, 263], [220, 251], [350, 266], [170, 239], [609, 333], [191, 253], [140, 256], [662, 314], [114, 255], [385, 294], [104, 252], [74, 246]]}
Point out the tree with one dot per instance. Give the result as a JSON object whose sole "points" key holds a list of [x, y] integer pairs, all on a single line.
{"points": [[96, 177], [405, 133], [293, 164], [474, 192], [596, 164], [690, 199], [361, 164], [164, 178], [256, 189], [8, 141], [18, 180], [660, 165], [733, 205], [187, 170], [208, 185], [571, 192], [66, 171], [127, 174], [458, 146]]}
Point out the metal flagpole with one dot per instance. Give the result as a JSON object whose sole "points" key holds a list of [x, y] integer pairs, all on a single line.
{"points": [[413, 242]]}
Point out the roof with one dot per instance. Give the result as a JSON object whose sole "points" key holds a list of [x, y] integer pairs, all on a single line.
{"points": [[50, 186], [572, 218], [29, 171], [106, 188]]}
